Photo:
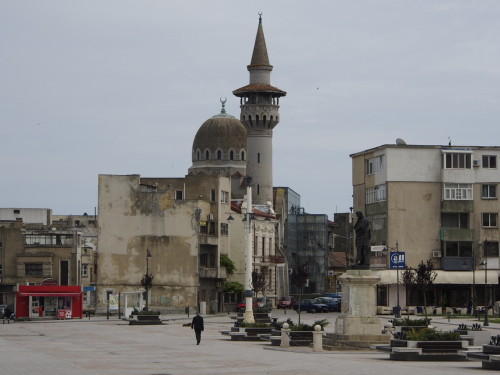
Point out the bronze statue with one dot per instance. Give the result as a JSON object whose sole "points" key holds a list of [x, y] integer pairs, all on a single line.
{"points": [[363, 235]]}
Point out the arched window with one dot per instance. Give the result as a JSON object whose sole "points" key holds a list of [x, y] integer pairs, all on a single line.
{"points": [[198, 154], [207, 154], [219, 155], [231, 155], [242, 154]]}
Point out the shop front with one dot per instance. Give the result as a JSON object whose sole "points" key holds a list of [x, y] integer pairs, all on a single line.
{"points": [[59, 302]]}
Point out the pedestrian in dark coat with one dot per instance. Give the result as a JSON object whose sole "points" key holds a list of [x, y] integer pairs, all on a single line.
{"points": [[197, 325]]}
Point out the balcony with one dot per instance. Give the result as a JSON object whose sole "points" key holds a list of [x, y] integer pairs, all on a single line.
{"points": [[456, 234], [212, 273]]}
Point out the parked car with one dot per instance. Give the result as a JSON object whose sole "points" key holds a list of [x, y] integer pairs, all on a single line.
{"points": [[264, 303], [333, 295], [242, 305], [332, 303], [310, 305], [285, 303]]}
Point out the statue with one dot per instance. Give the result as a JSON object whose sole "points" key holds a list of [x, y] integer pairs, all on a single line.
{"points": [[363, 235]]}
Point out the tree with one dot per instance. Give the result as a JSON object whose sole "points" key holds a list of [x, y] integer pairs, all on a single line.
{"points": [[408, 278], [258, 282], [299, 278], [147, 283], [422, 278]]}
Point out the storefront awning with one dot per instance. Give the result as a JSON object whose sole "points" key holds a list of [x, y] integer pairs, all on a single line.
{"points": [[39, 294], [443, 277]]}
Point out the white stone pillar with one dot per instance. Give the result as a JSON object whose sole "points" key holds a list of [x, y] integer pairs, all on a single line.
{"points": [[317, 339], [285, 336]]}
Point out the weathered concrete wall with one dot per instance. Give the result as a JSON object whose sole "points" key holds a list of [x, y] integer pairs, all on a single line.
{"points": [[133, 220]]}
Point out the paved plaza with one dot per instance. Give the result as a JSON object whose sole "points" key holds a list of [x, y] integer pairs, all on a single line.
{"points": [[105, 347]]}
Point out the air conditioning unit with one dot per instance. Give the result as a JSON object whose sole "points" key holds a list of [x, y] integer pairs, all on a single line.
{"points": [[476, 163], [436, 253], [210, 216]]}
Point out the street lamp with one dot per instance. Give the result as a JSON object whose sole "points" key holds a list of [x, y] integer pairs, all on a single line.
{"points": [[485, 264], [147, 283], [398, 307]]}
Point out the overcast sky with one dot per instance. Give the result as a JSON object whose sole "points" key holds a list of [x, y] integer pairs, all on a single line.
{"points": [[121, 87]]}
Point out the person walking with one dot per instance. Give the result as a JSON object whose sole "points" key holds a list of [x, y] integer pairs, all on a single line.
{"points": [[197, 325]]}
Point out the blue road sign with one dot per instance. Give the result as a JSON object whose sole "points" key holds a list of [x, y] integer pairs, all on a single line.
{"points": [[398, 259]]}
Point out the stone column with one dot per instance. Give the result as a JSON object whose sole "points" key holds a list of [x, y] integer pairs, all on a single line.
{"points": [[317, 339], [359, 308], [285, 336]]}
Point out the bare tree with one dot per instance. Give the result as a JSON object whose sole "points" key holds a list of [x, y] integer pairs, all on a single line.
{"points": [[299, 278], [422, 278], [258, 282]]}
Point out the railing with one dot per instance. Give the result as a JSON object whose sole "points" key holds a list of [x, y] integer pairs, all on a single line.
{"points": [[212, 273], [273, 259]]}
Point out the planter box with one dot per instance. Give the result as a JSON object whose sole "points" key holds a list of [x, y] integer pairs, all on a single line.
{"points": [[301, 338], [146, 320]]}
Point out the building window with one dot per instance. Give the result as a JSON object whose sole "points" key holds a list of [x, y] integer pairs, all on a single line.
{"points": [[179, 194], [207, 155], [224, 229], [212, 195], [490, 220], [455, 220], [85, 269], [219, 155], [198, 155], [17, 211], [258, 189], [489, 191], [375, 164], [459, 160], [459, 192], [489, 161], [243, 155], [491, 249], [376, 194], [458, 249], [33, 269], [258, 157], [224, 197], [231, 155], [1, 270]]}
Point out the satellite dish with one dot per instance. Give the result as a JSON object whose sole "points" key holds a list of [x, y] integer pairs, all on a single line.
{"points": [[400, 142]]}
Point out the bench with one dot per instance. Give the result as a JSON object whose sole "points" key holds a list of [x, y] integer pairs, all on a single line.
{"points": [[440, 346]]}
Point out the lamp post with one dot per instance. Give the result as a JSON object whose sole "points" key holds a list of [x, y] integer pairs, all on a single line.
{"points": [[248, 317], [398, 307], [485, 264], [147, 284]]}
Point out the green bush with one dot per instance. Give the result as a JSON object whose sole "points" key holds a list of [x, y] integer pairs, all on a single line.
{"points": [[307, 327], [411, 322], [137, 312], [255, 325], [430, 334]]}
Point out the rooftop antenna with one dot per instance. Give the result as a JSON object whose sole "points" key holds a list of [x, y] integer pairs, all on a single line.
{"points": [[449, 141]]}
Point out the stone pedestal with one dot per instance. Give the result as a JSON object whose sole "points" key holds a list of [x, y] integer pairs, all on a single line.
{"points": [[358, 325]]}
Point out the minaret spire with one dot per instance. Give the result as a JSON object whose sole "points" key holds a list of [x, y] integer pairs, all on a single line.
{"points": [[259, 103]]}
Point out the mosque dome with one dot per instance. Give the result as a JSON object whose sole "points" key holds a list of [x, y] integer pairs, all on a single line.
{"points": [[221, 138]]}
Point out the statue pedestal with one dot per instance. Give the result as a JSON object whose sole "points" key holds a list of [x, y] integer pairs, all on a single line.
{"points": [[358, 325]]}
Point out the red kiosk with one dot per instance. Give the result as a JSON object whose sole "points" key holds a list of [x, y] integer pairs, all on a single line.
{"points": [[60, 302]]}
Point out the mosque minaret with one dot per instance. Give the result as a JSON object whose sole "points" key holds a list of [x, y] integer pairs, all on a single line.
{"points": [[259, 102]]}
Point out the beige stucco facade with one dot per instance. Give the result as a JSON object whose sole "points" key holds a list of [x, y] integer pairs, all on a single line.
{"points": [[179, 222], [431, 202]]}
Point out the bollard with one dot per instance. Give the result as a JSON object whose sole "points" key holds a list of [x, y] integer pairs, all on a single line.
{"points": [[285, 336], [317, 339]]}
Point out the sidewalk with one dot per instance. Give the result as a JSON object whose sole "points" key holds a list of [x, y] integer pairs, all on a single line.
{"points": [[103, 346]]}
